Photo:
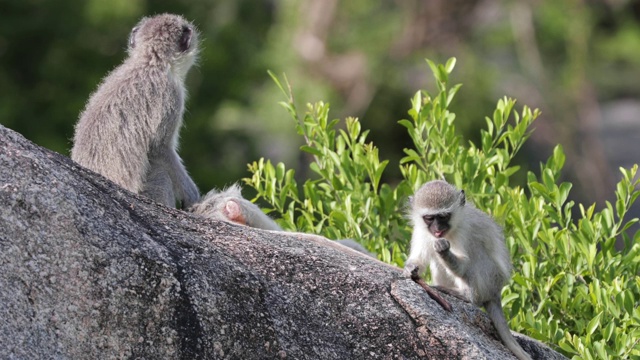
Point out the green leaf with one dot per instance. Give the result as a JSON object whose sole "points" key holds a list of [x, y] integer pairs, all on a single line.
{"points": [[563, 192], [451, 63], [277, 81], [594, 324], [433, 67], [311, 150], [280, 170], [567, 347], [416, 103], [452, 93]]}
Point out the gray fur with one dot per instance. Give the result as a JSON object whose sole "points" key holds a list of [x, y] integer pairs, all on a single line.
{"points": [[470, 260], [129, 129], [229, 205]]}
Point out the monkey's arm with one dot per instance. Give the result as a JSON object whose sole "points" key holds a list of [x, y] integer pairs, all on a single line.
{"points": [[253, 215], [185, 189], [419, 254], [457, 264], [355, 246]]}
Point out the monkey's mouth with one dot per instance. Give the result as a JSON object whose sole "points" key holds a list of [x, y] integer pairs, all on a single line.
{"points": [[439, 233]]}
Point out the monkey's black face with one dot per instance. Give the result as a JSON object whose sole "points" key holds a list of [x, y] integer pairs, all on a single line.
{"points": [[185, 38], [438, 224]]}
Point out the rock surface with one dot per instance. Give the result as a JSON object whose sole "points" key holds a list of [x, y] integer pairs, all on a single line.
{"points": [[91, 271]]}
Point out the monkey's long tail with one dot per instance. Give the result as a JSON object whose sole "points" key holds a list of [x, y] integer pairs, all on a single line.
{"points": [[494, 310]]}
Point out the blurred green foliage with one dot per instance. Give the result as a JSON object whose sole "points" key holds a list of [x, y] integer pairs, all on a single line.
{"points": [[358, 55]]}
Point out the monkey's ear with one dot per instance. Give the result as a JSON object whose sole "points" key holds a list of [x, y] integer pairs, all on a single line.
{"points": [[233, 211], [463, 198], [132, 37]]}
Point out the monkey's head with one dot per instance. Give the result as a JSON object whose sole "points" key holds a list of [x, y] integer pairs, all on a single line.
{"points": [[165, 37], [222, 205], [435, 205]]}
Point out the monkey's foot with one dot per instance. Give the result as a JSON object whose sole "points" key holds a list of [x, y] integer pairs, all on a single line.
{"points": [[411, 271]]}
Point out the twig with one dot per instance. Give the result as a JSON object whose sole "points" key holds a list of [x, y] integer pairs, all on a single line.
{"points": [[432, 293]]}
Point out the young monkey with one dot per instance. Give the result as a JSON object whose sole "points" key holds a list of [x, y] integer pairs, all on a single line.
{"points": [[129, 130], [464, 249], [229, 205]]}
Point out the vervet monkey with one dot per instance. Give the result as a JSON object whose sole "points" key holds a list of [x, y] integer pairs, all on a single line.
{"points": [[128, 131], [464, 249], [229, 205]]}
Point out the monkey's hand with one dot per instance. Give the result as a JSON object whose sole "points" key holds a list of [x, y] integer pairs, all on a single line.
{"points": [[189, 195], [441, 245], [185, 189], [411, 271]]}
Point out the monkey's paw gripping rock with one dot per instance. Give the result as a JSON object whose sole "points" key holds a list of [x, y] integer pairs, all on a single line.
{"points": [[411, 270]]}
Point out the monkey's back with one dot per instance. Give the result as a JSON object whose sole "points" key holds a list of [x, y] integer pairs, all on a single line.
{"points": [[489, 261], [136, 107]]}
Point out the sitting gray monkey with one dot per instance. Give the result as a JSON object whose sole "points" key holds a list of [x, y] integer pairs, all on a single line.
{"points": [[128, 131]]}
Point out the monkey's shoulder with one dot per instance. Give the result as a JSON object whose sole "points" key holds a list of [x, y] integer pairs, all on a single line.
{"points": [[139, 74], [130, 84], [478, 218]]}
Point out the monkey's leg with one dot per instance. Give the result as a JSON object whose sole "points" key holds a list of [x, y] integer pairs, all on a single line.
{"points": [[157, 186], [185, 189]]}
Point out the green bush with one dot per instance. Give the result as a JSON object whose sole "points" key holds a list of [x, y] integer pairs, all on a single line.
{"points": [[571, 288]]}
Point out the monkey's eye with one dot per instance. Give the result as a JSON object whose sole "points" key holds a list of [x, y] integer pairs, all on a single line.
{"points": [[185, 38], [428, 219], [444, 217]]}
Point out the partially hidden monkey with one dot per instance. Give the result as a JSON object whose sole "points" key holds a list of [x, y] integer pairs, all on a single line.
{"points": [[128, 131], [464, 249], [229, 205]]}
